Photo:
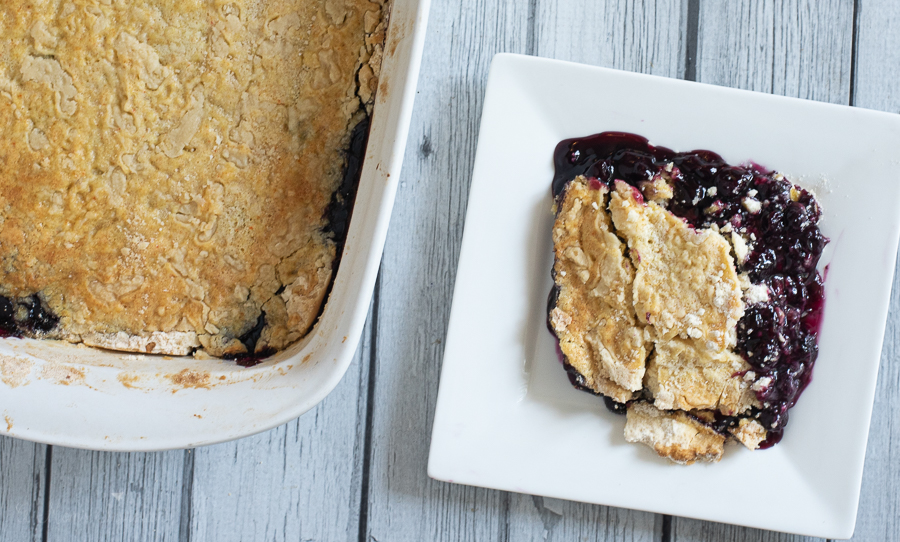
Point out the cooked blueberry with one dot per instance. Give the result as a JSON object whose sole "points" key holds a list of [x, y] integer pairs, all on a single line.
{"points": [[27, 316], [614, 406], [7, 317]]}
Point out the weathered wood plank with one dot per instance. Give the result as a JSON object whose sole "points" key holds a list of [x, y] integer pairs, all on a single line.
{"points": [[684, 530], [877, 70], [646, 37], [798, 48], [22, 483], [115, 496], [878, 517], [418, 272], [636, 35], [554, 520], [300, 481]]}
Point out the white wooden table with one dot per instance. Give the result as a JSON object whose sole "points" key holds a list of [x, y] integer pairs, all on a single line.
{"points": [[354, 467]]}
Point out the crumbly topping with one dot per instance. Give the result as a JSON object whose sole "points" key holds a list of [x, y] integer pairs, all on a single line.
{"points": [[684, 377], [634, 280], [673, 434], [749, 432], [685, 284], [594, 317], [658, 190], [756, 293], [741, 247], [165, 166]]}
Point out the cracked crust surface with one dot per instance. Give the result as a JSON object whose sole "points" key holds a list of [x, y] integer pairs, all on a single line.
{"points": [[166, 165], [673, 434], [683, 377], [685, 283], [594, 318], [646, 312]]}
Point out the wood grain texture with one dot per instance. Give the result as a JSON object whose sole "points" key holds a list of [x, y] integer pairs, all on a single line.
{"points": [[22, 483], [554, 520], [876, 87], [418, 272], [799, 48], [635, 35], [115, 496], [684, 530], [300, 481]]}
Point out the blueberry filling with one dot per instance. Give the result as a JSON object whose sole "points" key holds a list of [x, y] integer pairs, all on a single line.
{"points": [[340, 209], [251, 357], [778, 337], [25, 317]]}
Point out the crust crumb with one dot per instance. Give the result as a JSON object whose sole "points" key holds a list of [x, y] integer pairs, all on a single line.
{"points": [[14, 370], [750, 433], [62, 374], [190, 379]]}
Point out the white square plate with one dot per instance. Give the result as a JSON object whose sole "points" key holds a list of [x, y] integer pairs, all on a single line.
{"points": [[507, 417]]}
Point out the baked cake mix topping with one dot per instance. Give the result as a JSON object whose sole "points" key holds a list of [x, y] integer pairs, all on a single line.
{"points": [[167, 168], [686, 291]]}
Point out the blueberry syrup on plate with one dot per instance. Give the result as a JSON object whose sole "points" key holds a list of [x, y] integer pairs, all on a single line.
{"points": [[778, 337]]}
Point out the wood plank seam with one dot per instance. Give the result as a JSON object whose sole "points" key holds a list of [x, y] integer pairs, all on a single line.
{"points": [[666, 535], [854, 39], [48, 461], [369, 416], [187, 501], [531, 32], [692, 37]]}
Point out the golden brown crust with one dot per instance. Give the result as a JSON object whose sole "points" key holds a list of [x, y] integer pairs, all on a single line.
{"points": [[635, 281], [593, 318], [684, 377], [685, 284], [164, 166]]}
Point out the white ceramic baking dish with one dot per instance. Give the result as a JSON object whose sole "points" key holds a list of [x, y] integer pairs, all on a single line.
{"points": [[81, 397]]}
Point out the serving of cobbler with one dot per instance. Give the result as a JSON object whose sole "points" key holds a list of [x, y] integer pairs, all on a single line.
{"points": [[686, 291], [171, 171]]}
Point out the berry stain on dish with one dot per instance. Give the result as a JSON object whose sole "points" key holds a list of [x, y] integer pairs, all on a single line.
{"points": [[686, 291]]}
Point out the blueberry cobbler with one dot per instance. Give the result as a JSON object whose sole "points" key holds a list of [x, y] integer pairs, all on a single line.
{"points": [[685, 291], [173, 175]]}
